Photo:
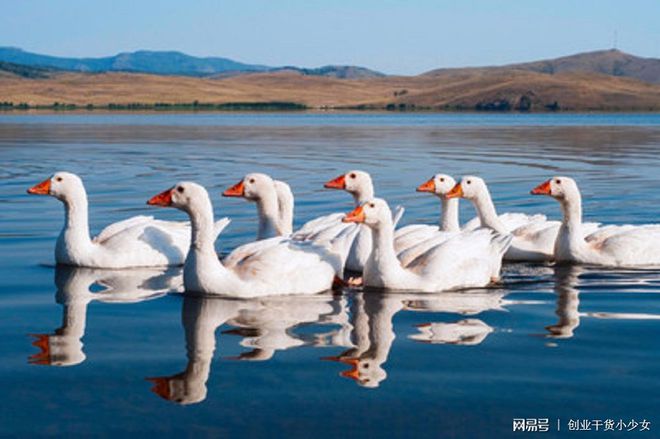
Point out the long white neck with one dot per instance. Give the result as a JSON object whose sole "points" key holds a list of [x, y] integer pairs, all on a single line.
{"points": [[364, 193], [571, 207], [485, 208], [285, 204], [449, 215], [383, 256], [74, 237], [203, 236], [202, 267], [269, 215], [570, 232]]}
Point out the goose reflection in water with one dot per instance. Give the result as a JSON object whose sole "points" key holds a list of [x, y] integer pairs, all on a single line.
{"points": [[568, 301], [373, 330], [267, 326], [567, 283], [77, 287]]}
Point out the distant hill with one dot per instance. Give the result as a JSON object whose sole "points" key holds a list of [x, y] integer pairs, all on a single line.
{"points": [[25, 71], [341, 72], [168, 63], [143, 61], [607, 62]]}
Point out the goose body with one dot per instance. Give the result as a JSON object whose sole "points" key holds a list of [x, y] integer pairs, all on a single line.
{"points": [[275, 266], [612, 246], [140, 241], [274, 201], [470, 259], [533, 235]]}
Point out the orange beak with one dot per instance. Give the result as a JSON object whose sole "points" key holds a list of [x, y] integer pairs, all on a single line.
{"points": [[161, 387], [355, 216], [542, 189], [42, 188], [456, 191], [429, 186], [353, 373], [41, 358], [163, 199], [237, 190], [337, 183]]}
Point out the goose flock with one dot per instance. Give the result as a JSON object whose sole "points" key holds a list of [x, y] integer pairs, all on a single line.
{"points": [[281, 261]]}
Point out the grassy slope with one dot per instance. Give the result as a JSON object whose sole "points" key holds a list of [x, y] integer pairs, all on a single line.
{"points": [[450, 89]]}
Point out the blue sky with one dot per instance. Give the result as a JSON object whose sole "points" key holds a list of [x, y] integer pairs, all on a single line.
{"points": [[405, 37]]}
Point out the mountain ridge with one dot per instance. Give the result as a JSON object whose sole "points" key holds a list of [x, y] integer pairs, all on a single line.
{"points": [[170, 62], [612, 62]]}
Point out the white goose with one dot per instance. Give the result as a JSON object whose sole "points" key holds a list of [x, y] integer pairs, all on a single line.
{"points": [[274, 201], [415, 239], [278, 267], [360, 185], [612, 246], [533, 236], [140, 241], [471, 259]]}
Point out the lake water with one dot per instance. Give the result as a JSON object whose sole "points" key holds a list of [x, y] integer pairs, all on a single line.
{"points": [[561, 344]]}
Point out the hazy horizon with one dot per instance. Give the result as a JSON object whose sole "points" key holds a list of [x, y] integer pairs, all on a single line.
{"points": [[393, 37]]}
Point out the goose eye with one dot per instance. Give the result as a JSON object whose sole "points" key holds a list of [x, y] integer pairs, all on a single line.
{"points": [[558, 181], [58, 179], [180, 189], [352, 175], [442, 179], [366, 365], [252, 180], [469, 182], [372, 205]]}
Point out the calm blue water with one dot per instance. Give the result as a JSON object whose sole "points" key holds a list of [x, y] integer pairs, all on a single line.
{"points": [[563, 344]]}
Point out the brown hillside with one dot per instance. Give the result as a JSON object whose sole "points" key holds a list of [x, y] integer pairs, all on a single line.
{"points": [[463, 89], [607, 62]]}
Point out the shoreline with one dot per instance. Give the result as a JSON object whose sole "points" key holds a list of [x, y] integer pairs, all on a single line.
{"points": [[284, 108]]}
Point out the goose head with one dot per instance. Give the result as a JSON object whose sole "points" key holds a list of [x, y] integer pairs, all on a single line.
{"points": [[64, 186], [365, 371], [252, 187], [439, 184], [355, 182], [183, 388], [558, 187], [470, 188], [57, 350], [373, 213], [185, 195]]}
